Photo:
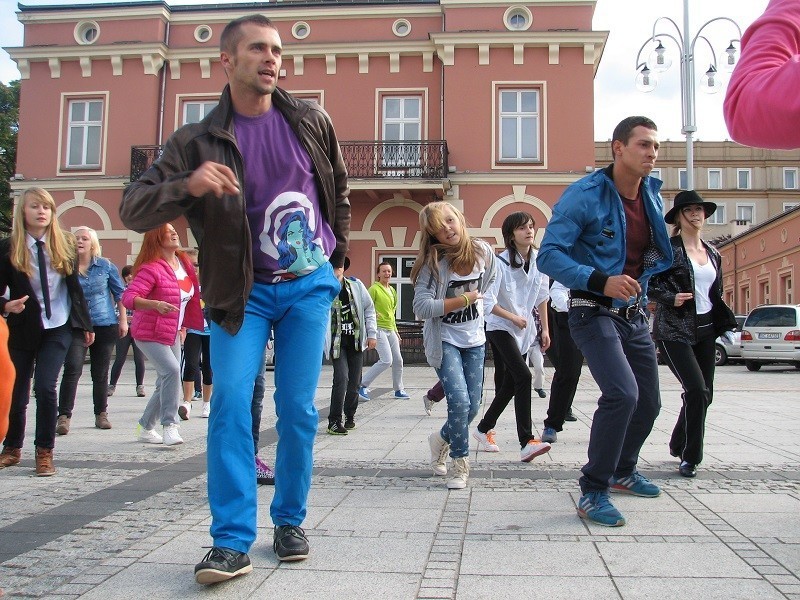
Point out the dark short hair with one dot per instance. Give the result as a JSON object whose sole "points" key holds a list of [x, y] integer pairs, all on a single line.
{"points": [[380, 264], [346, 263], [232, 33], [126, 270], [624, 129]]}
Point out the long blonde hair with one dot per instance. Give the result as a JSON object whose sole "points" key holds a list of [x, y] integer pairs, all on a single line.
{"points": [[61, 251], [460, 257]]}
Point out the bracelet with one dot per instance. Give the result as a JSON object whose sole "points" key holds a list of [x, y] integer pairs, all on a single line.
{"points": [[466, 300]]}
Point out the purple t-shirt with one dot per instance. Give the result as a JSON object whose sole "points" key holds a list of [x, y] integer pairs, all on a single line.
{"points": [[290, 237]]}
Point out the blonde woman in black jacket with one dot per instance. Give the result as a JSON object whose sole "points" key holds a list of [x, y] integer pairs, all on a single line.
{"points": [[690, 314]]}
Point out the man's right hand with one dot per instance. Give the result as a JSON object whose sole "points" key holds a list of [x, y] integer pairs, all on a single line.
{"points": [[621, 287], [214, 178]]}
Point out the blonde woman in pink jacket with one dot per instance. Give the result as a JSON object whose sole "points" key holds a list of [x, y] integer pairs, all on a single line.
{"points": [[164, 295]]}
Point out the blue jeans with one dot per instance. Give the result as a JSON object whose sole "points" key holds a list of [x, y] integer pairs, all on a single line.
{"points": [[461, 374], [297, 312], [622, 359]]}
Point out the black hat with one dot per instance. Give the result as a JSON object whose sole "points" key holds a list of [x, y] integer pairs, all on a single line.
{"points": [[688, 198]]}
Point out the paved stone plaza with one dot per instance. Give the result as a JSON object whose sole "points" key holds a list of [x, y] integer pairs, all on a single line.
{"points": [[123, 520]]}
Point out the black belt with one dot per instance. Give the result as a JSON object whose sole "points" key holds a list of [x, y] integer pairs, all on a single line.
{"points": [[581, 298]]}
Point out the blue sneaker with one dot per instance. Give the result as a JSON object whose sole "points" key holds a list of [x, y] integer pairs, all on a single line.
{"points": [[635, 484], [597, 508], [401, 394], [362, 393], [549, 435]]}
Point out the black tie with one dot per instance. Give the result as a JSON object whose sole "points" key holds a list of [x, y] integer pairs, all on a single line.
{"points": [[43, 277]]}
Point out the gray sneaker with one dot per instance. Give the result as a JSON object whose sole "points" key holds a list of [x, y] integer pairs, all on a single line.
{"points": [[439, 451], [549, 435]]}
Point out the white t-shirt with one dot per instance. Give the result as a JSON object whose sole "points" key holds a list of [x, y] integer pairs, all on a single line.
{"points": [[463, 327], [187, 290], [704, 277]]}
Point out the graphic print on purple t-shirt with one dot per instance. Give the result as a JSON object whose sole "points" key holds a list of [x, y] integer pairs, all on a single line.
{"points": [[290, 237]]}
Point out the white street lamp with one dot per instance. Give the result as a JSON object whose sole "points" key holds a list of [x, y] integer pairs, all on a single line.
{"points": [[710, 81]]}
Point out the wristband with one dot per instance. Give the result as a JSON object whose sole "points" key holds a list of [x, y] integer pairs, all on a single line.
{"points": [[466, 300]]}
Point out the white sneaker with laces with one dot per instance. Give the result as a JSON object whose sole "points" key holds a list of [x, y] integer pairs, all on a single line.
{"points": [[206, 409], [533, 449], [459, 474], [171, 435], [486, 440], [148, 436], [428, 403], [184, 410], [439, 450]]}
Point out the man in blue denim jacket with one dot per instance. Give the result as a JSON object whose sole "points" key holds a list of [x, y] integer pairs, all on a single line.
{"points": [[605, 240]]}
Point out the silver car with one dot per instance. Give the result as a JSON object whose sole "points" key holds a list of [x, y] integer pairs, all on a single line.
{"points": [[729, 347], [771, 334]]}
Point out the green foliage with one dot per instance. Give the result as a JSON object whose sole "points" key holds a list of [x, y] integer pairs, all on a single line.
{"points": [[9, 125]]}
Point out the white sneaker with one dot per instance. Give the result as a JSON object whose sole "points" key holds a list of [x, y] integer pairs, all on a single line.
{"points": [[206, 409], [184, 410], [459, 473], [171, 435], [533, 449], [439, 450], [148, 436], [428, 403], [486, 440]]}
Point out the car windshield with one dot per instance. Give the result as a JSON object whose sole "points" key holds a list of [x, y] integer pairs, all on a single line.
{"points": [[772, 317]]}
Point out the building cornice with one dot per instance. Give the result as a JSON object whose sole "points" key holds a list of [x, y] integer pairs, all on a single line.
{"points": [[59, 184]]}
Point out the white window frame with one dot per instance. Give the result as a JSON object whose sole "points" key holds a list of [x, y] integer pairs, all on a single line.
{"points": [[656, 173], [683, 179], [751, 206], [790, 173], [739, 173], [411, 155], [718, 218], [85, 126], [718, 173], [521, 117], [401, 284], [789, 205], [206, 106]]}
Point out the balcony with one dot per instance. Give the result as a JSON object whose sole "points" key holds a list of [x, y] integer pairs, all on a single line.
{"points": [[364, 160]]}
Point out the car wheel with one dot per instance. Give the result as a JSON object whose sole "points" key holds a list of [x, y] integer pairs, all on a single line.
{"points": [[752, 365], [720, 356]]}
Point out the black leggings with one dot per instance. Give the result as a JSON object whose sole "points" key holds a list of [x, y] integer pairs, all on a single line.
{"points": [[193, 346], [123, 344]]}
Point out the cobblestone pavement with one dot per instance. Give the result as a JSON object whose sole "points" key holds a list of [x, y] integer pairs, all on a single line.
{"points": [[127, 520]]}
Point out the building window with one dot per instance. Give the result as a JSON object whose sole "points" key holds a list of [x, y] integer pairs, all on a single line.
{"points": [[785, 283], [84, 136], [518, 18], [789, 205], [401, 281], [656, 173], [301, 30], [743, 179], [715, 179], [682, 184], [746, 212], [402, 122], [519, 125], [203, 33], [86, 32], [718, 218], [196, 111], [790, 178], [401, 27]]}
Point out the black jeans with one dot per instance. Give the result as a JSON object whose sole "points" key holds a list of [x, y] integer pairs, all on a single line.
{"points": [[693, 365], [105, 338], [193, 346], [346, 379], [512, 377], [567, 361], [43, 364], [622, 358], [123, 344]]}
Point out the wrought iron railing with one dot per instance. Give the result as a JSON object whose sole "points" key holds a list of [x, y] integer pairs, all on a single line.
{"points": [[141, 159], [402, 160]]}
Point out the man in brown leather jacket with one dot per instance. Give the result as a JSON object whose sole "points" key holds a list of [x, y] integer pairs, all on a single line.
{"points": [[262, 182]]}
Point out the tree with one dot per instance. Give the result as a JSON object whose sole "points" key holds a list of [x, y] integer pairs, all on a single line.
{"points": [[9, 126]]}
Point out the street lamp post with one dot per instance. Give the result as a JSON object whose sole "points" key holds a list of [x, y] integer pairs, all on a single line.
{"points": [[658, 61]]}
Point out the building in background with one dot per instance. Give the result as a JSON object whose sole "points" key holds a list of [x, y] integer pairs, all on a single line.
{"points": [[485, 103]]}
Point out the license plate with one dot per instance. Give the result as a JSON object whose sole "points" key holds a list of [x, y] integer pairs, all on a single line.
{"points": [[769, 336]]}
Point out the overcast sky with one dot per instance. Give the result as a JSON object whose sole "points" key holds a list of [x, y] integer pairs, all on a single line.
{"points": [[630, 23]]}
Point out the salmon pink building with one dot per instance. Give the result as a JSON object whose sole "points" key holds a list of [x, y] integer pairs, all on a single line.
{"points": [[485, 103]]}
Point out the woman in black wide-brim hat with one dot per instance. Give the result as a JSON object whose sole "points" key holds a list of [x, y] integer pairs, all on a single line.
{"points": [[690, 314]]}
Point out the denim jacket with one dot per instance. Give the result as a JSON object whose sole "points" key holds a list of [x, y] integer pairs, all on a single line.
{"points": [[584, 242], [102, 286]]}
